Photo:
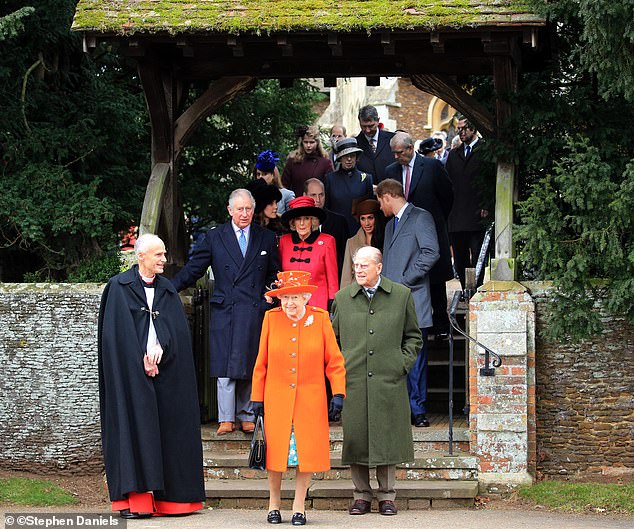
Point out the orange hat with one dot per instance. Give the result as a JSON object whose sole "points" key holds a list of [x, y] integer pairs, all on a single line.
{"points": [[292, 282]]}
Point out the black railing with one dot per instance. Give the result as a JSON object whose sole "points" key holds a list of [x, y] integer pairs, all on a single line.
{"points": [[489, 366]]}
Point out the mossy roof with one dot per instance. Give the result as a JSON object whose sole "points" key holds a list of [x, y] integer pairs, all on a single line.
{"points": [[267, 16]]}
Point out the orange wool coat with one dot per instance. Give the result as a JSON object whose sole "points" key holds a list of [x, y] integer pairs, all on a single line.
{"points": [[289, 378]]}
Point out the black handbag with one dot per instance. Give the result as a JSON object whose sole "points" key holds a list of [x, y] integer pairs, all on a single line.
{"points": [[257, 453]]}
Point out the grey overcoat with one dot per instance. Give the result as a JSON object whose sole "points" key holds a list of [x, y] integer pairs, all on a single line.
{"points": [[409, 252], [380, 340]]}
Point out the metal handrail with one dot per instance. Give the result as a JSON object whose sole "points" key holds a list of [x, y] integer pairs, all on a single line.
{"points": [[489, 367]]}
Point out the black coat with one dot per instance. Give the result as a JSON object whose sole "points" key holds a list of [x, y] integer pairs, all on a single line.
{"points": [[150, 427], [375, 163], [337, 226], [467, 176], [237, 302], [430, 189]]}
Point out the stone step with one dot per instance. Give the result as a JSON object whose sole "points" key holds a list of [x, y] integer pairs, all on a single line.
{"points": [[431, 466], [426, 440], [337, 494]]}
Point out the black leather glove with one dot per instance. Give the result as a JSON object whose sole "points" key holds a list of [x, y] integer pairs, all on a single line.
{"points": [[334, 410], [258, 408]]}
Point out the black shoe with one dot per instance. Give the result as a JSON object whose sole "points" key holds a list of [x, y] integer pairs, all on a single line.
{"points": [[360, 507], [125, 513], [299, 518], [387, 507], [421, 421], [274, 516]]}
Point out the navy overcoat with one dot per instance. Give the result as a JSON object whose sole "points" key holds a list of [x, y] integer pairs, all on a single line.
{"points": [[237, 302]]}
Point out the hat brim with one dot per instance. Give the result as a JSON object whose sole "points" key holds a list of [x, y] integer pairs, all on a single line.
{"points": [[298, 289], [304, 211], [349, 150]]}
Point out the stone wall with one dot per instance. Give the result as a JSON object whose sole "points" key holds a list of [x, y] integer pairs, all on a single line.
{"points": [[49, 401], [585, 402]]}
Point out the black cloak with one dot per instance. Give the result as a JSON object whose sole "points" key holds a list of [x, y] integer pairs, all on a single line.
{"points": [[150, 427]]}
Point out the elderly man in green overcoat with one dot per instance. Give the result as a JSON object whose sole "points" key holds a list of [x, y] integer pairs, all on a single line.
{"points": [[375, 322]]}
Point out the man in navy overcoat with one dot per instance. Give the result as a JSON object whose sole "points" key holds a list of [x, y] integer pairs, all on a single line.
{"points": [[244, 260]]}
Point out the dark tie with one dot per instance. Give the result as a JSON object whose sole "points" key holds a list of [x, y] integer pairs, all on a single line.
{"points": [[467, 151], [395, 222], [370, 292], [372, 145]]}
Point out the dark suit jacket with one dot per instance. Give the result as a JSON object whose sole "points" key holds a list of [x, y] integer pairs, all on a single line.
{"points": [[337, 226], [375, 163], [465, 174], [237, 302], [409, 252], [430, 189]]}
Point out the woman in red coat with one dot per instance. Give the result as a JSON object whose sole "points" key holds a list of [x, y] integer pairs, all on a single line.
{"points": [[297, 347], [306, 248]]}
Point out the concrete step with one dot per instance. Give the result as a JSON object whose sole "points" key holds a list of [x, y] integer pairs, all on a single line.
{"points": [[427, 466], [337, 494]]}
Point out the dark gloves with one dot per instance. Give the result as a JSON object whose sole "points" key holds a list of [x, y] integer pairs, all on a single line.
{"points": [[258, 409], [334, 410]]}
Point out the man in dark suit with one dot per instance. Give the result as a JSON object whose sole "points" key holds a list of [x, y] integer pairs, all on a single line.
{"points": [[375, 144], [335, 224], [409, 252], [464, 166], [428, 188], [244, 260]]}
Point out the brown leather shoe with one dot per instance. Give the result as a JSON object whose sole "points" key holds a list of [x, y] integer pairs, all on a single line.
{"points": [[248, 426], [225, 427], [387, 507], [360, 507]]}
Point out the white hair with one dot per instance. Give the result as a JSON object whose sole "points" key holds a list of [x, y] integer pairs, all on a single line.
{"points": [[241, 192], [401, 138], [145, 241], [370, 252]]}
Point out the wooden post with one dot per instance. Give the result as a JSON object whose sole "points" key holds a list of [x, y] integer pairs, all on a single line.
{"points": [[503, 265]]}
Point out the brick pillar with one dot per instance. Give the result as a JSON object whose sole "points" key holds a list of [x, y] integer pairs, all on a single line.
{"points": [[502, 407]]}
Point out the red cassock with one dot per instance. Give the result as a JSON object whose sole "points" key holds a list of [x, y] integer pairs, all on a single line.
{"points": [[317, 255]]}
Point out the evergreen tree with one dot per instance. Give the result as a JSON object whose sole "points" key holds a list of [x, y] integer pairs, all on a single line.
{"points": [[571, 132]]}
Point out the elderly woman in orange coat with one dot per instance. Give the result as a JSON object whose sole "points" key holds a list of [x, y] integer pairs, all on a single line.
{"points": [[297, 346]]}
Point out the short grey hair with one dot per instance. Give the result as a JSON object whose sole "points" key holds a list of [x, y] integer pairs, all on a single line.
{"points": [[368, 113], [402, 138], [145, 241], [370, 252], [241, 192]]}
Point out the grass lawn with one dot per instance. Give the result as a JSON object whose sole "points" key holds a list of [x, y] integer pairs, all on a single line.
{"points": [[580, 497], [36, 492]]}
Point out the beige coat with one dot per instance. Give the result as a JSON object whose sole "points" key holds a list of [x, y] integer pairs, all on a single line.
{"points": [[352, 245]]}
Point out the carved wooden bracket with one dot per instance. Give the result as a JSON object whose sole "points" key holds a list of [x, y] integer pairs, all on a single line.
{"points": [[448, 90]]}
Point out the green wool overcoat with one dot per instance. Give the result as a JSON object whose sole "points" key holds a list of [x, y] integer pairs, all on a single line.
{"points": [[380, 341]]}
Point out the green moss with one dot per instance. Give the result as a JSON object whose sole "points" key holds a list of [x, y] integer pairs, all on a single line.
{"points": [[262, 16]]}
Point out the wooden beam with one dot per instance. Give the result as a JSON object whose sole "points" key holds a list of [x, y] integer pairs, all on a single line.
{"points": [[218, 93], [448, 90]]}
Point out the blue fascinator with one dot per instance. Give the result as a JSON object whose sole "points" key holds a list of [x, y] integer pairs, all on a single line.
{"points": [[266, 161]]}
